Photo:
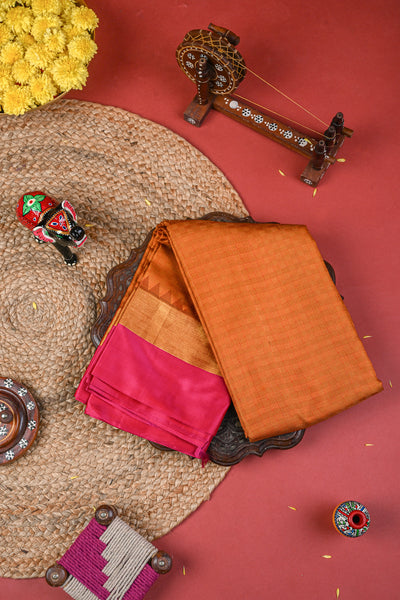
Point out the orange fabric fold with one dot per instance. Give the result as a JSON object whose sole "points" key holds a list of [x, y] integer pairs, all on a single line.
{"points": [[259, 302]]}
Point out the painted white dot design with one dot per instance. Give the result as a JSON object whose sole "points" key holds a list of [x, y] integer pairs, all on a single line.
{"points": [[246, 112], [272, 126], [258, 119], [288, 135]]}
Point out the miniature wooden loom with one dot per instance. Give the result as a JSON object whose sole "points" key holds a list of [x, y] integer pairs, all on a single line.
{"points": [[108, 561], [210, 59]]}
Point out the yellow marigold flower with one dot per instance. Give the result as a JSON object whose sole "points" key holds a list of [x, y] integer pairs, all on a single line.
{"points": [[42, 88], [17, 100], [71, 32], [84, 17], [6, 4], [66, 8], [5, 34], [5, 77], [22, 71], [19, 19], [43, 24], [41, 7], [83, 48], [39, 55], [26, 39], [55, 40], [69, 73], [11, 52]]}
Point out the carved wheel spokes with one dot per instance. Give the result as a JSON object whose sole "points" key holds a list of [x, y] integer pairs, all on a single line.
{"points": [[226, 65]]}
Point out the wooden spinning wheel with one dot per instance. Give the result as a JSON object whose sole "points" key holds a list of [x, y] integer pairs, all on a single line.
{"points": [[210, 59], [224, 66]]}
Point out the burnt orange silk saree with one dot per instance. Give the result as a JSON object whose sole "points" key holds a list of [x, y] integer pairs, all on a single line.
{"points": [[252, 310]]}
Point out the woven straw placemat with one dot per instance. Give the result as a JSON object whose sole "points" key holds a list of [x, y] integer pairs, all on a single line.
{"points": [[123, 174]]}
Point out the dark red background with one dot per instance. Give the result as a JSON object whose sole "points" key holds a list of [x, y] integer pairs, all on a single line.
{"points": [[246, 542]]}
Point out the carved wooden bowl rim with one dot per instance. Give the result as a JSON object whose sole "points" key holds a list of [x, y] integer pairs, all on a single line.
{"points": [[19, 432], [229, 446]]}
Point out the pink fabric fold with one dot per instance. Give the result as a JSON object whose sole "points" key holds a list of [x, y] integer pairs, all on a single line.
{"points": [[135, 386]]}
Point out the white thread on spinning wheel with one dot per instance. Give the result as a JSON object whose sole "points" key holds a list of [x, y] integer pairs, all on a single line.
{"points": [[287, 97], [221, 46]]}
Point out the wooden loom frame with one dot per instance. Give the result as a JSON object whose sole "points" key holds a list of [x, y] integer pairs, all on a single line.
{"points": [[210, 59]]}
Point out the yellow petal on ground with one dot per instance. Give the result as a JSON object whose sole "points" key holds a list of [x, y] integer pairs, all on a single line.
{"points": [[147, 202], [340, 160], [390, 383], [292, 508], [326, 556], [34, 305], [75, 477], [314, 192], [184, 570], [281, 173], [369, 444], [337, 592], [366, 336]]}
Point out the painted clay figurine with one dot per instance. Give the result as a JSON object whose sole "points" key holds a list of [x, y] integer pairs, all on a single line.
{"points": [[51, 222]]}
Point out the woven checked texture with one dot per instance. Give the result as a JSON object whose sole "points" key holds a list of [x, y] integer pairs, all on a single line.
{"points": [[123, 175]]}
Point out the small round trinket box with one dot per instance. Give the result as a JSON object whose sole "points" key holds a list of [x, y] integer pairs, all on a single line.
{"points": [[351, 518], [19, 420]]}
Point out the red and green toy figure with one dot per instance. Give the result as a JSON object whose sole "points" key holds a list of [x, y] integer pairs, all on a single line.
{"points": [[351, 518], [51, 222]]}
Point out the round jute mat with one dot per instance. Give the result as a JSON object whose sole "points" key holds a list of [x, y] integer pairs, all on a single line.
{"points": [[123, 174]]}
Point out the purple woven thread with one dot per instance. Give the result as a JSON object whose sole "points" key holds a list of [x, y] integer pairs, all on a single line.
{"points": [[83, 559], [142, 584]]}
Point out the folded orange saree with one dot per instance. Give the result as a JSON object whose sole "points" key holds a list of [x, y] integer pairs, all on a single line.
{"points": [[255, 304]]}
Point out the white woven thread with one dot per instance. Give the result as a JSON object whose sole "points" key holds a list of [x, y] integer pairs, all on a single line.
{"points": [[127, 553], [77, 590]]}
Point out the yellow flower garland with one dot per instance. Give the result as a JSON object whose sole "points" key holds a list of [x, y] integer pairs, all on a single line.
{"points": [[45, 48]]}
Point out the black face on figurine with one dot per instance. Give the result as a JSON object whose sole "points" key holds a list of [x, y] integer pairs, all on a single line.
{"points": [[51, 222]]}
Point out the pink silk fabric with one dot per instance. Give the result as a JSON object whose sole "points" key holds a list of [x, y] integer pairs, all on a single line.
{"points": [[135, 386]]}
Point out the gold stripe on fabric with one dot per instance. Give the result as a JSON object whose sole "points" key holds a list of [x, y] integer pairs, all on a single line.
{"points": [[169, 329]]}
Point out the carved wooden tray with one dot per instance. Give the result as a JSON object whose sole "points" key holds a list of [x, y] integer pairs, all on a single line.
{"points": [[229, 446]]}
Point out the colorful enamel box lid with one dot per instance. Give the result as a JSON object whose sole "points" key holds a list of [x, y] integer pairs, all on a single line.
{"points": [[351, 518], [32, 206]]}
